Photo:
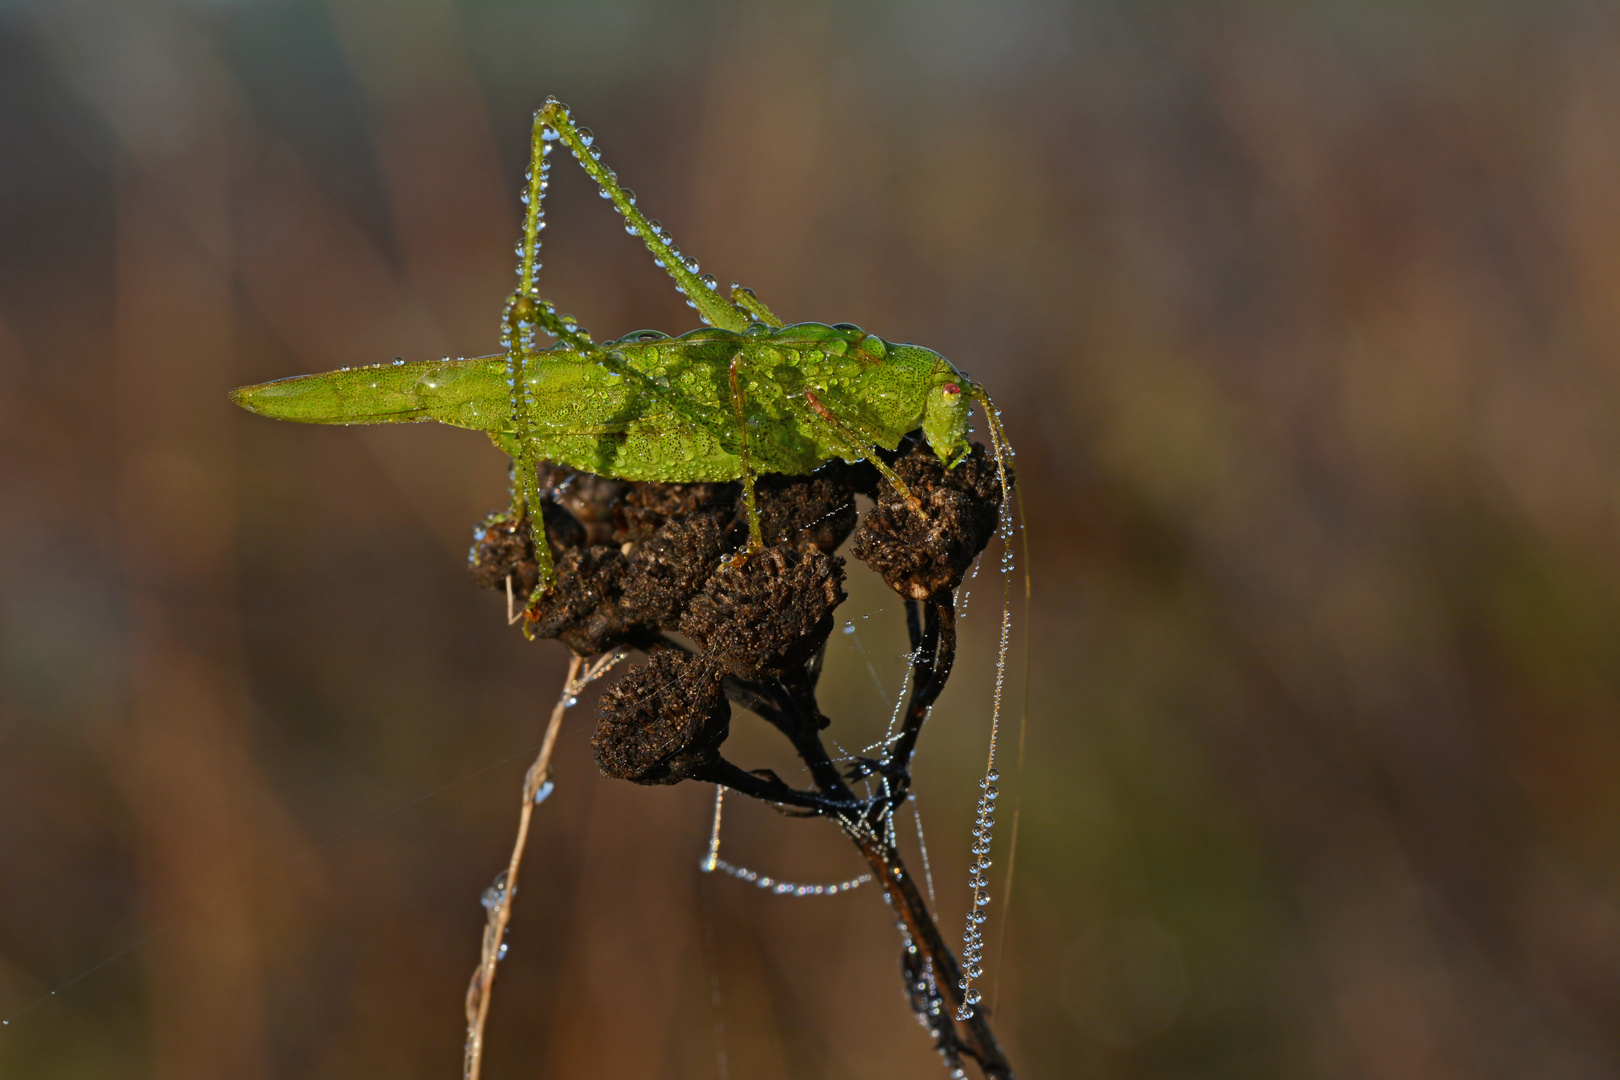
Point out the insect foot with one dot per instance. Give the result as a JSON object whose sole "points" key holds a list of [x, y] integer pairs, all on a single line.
{"points": [[920, 555], [663, 722]]}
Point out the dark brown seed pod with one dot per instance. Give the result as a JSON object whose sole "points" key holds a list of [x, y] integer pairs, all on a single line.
{"points": [[921, 554], [663, 721], [759, 617], [503, 548]]}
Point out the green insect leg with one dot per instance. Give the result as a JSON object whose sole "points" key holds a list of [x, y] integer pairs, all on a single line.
{"points": [[525, 313], [756, 539], [701, 292], [860, 446], [744, 298], [520, 319]]}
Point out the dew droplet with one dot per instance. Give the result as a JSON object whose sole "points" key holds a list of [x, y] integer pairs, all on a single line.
{"points": [[496, 893]]}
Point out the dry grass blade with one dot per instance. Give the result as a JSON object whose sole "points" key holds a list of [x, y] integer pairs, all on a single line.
{"points": [[498, 897]]}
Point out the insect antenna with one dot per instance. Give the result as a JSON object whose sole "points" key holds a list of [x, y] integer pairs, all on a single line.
{"points": [[973, 937]]}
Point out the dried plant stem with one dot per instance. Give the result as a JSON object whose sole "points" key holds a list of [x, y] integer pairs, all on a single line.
{"points": [[789, 704], [499, 898], [972, 1037], [758, 632]]}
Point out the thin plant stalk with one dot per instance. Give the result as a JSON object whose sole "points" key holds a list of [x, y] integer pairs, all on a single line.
{"points": [[499, 898]]}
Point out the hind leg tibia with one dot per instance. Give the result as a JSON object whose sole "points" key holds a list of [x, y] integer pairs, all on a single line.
{"points": [[555, 122]]}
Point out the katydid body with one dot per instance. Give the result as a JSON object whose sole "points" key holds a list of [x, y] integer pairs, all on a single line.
{"points": [[661, 409], [743, 397]]}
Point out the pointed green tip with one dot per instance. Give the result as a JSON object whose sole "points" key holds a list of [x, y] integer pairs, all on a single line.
{"points": [[273, 399], [470, 393], [318, 399]]}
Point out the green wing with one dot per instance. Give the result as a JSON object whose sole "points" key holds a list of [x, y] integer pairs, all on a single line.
{"points": [[584, 415], [660, 411]]}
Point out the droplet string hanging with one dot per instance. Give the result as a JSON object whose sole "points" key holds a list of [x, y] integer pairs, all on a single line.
{"points": [[711, 862], [984, 813]]}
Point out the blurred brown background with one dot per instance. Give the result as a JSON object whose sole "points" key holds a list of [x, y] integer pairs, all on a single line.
{"points": [[1305, 319]]}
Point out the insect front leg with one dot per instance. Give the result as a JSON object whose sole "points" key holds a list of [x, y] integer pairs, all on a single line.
{"points": [[859, 446]]}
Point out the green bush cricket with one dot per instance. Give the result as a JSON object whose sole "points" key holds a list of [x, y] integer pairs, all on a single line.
{"points": [[744, 396]]}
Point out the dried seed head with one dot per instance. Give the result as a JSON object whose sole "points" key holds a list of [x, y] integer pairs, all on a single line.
{"points": [[757, 618], [663, 721], [921, 554]]}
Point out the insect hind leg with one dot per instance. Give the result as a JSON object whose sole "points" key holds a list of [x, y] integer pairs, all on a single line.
{"points": [[746, 299], [554, 121]]}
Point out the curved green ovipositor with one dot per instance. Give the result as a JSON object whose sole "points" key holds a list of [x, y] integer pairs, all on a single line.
{"points": [[466, 393]]}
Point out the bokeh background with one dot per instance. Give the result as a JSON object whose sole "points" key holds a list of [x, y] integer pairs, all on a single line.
{"points": [[1305, 319]]}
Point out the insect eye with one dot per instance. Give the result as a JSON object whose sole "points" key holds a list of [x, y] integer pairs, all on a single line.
{"points": [[950, 390]]}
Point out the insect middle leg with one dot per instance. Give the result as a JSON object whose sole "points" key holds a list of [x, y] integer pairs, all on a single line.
{"points": [[756, 539]]}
